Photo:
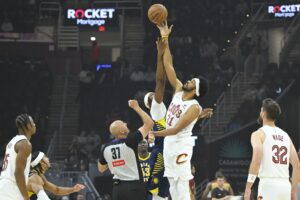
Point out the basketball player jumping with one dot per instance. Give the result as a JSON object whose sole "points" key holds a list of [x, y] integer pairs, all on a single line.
{"points": [[273, 151], [16, 164], [183, 113], [158, 185]]}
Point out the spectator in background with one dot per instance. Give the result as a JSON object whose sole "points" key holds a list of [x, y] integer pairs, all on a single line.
{"points": [[6, 25], [208, 192], [137, 75], [220, 192], [80, 197], [95, 54], [241, 9], [149, 75]]}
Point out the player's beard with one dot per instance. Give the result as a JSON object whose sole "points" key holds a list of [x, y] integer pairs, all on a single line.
{"points": [[186, 89]]}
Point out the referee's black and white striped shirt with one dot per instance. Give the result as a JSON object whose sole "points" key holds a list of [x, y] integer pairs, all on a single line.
{"points": [[121, 156]]}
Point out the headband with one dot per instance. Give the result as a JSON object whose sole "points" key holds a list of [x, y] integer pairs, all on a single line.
{"points": [[197, 83], [37, 159], [146, 102]]}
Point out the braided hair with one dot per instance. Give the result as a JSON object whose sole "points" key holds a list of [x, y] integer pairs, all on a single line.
{"points": [[22, 121]]}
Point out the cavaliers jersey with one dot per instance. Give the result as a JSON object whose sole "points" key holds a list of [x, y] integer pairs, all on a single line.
{"points": [[145, 165], [176, 110], [122, 159], [276, 153], [9, 163]]}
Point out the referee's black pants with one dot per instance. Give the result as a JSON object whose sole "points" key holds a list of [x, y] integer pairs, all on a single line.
{"points": [[129, 190]]}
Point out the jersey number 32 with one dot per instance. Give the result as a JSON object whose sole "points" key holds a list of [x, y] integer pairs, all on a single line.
{"points": [[279, 156]]}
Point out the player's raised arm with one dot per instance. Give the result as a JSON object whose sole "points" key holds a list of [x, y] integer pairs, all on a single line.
{"points": [[191, 114], [257, 146], [160, 71], [23, 150], [294, 160], [148, 122], [61, 190], [168, 60]]}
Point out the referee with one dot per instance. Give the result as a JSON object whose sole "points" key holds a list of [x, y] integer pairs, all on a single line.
{"points": [[121, 157]]}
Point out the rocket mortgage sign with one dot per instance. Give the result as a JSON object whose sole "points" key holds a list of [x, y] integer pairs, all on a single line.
{"points": [[284, 11], [90, 17]]}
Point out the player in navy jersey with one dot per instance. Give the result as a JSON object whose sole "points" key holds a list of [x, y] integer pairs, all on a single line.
{"points": [[158, 185], [144, 158]]}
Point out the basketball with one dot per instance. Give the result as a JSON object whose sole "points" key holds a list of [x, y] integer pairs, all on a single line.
{"points": [[157, 13]]}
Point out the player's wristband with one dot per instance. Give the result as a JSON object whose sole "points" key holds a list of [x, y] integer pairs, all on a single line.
{"points": [[164, 36], [251, 178]]}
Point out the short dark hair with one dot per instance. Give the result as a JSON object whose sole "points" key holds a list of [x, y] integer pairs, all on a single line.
{"points": [[204, 86], [22, 121], [272, 109], [219, 174]]}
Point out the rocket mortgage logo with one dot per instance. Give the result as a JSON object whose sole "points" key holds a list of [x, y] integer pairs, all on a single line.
{"points": [[284, 11], [91, 17]]}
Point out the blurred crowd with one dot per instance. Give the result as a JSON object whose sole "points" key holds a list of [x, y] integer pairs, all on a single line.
{"points": [[26, 85], [18, 16], [273, 81]]}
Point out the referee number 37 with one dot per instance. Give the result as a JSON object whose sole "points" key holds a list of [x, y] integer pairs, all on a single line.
{"points": [[115, 153]]}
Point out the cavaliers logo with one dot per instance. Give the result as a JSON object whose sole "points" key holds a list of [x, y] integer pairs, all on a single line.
{"points": [[181, 158]]}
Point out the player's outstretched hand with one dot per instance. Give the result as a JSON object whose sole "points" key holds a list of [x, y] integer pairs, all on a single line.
{"points": [[133, 104], [164, 29], [161, 46], [78, 187], [206, 113], [151, 138]]}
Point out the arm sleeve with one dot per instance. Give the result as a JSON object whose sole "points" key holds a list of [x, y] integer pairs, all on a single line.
{"points": [[133, 139], [158, 110], [102, 160]]}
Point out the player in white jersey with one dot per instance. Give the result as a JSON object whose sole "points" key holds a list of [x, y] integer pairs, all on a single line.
{"points": [[273, 151], [181, 117], [16, 164]]}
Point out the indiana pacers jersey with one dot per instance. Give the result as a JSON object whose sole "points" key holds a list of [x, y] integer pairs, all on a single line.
{"points": [[158, 126], [157, 184], [145, 165]]}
